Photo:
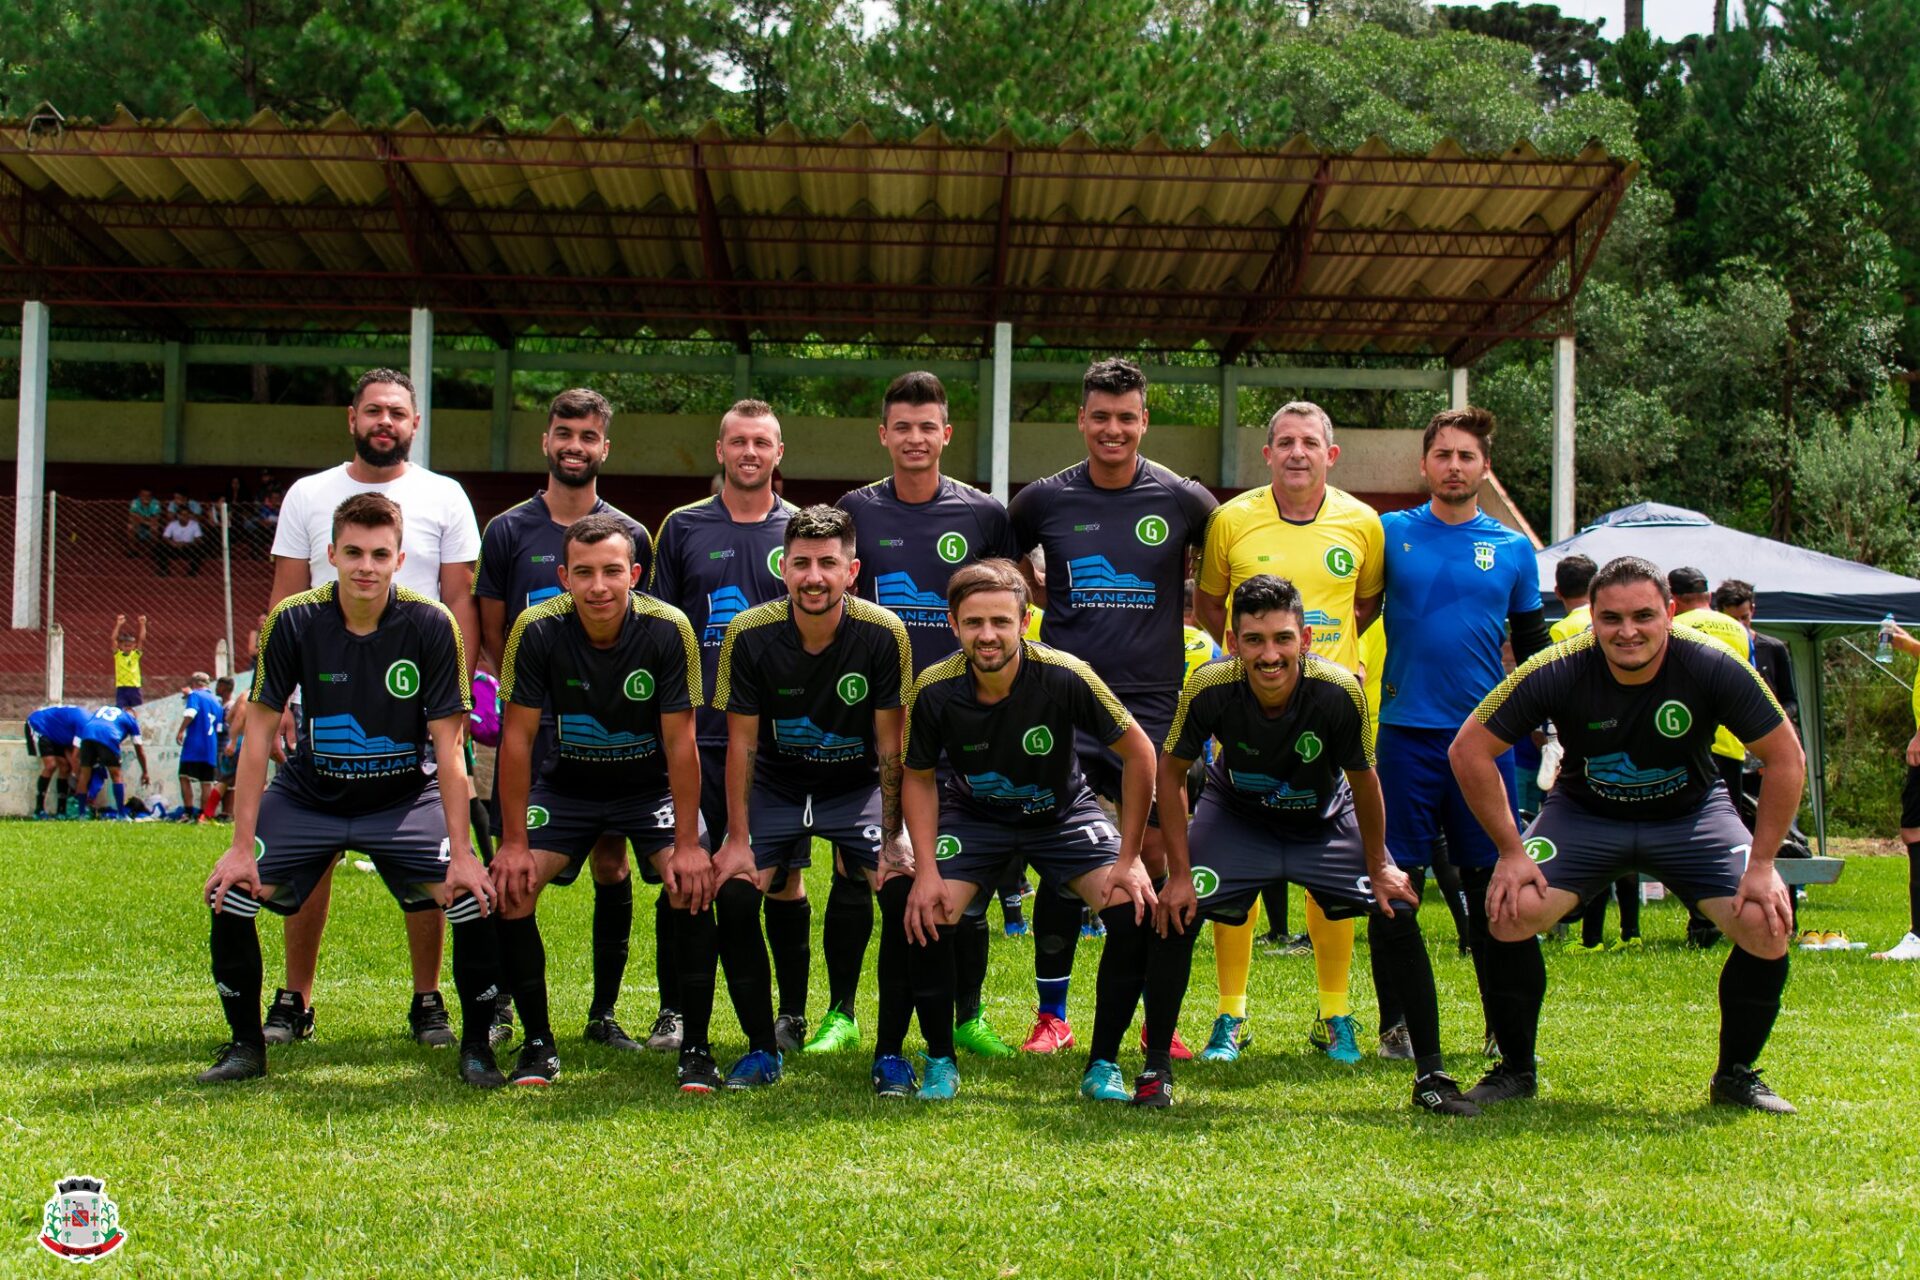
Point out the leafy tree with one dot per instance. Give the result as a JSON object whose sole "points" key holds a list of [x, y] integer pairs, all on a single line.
{"points": [[1565, 50], [1856, 481]]}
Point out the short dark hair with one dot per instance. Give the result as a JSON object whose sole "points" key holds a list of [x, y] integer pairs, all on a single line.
{"points": [[394, 376], [1574, 575], [1114, 376], [748, 409], [1266, 593], [1624, 569], [820, 521], [588, 530], [1731, 594], [1477, 423], [915, 388], [992, 574], [369, 511], [578, 403], [1686, 581], [223, 685]]}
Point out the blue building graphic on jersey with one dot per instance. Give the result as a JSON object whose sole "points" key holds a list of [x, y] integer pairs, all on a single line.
{"points": [[997, 788], [914, 607], [584, 737], [1093, 581], [341, 746], [1272, 792], [722, 605], [1616, 777], [800, 736]]}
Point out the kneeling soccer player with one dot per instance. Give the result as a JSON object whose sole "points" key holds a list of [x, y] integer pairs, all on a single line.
{"points": [[1291, 795], [381, 673], [620, 673], [1636, 701], [1003, 711]]}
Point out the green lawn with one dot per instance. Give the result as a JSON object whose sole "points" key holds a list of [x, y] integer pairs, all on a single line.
{"points": [[362, 1155]]}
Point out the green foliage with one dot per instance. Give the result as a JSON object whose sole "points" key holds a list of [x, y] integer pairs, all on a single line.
{"points": [[1565, 50], [1854, 482]]}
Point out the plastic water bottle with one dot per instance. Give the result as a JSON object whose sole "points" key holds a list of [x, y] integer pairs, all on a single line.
{"points": [[1884, 651]]}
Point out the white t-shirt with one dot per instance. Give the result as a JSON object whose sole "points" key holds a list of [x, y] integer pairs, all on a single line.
{"points": [[437, 526], [182, 531]]}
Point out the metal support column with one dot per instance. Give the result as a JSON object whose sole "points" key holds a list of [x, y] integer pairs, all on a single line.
{"points": [[30, 467], [1457, 389], [173, 396], [996, 428], [1562, 482], [1229, 426], [743, 376], [502, 407], [420, 357]]}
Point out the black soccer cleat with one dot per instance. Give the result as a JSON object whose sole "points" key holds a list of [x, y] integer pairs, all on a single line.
{"points": [[478, 1068], [1739, 1086], [288, 1018], [500, 1029], [427, 1020], [668, 1030], [698, 1073], [1152, 1089], [606, 1032], [790, 1032], [1440, 1093], [538, 1066], [1396, 1044], [235, 1061], [1504, 1084]]}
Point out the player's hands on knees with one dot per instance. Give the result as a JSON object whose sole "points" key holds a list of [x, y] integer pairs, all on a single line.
{"points": [[1762, 889], [1134, 886], [1177, 906], [235, 870], [466, 875], [687, 873], [512, 871], [735, 858], [1511, 876], [926, 909], [1393, 885]]}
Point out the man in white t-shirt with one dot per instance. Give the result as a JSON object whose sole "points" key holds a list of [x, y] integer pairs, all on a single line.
{"points": [[180, 540], [441, 540]]}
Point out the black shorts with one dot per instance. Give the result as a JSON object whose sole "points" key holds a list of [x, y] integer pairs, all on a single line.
{"points": [[1153, 711], [571, 826], [197, 770], [543, 742], [40, 746], [783, 830], [1235, 858], [98, 755], [296, 845], [1698, 855], [1910, 799], [980, 850], [713, 790]]}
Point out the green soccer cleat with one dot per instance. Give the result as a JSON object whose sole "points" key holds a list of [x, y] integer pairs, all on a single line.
{"points": [[1230, 1036], [1104, 1083], [978, 1039], [837, 1031]]}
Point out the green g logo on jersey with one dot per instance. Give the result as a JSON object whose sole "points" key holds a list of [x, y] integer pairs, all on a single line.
{"points": [[1309, 747], [537, 817], [1206, 882], [1540, 849], [777, 561], [1151, 530], [1037, 741], [639, 685], [852, 687], [259, 848], [1673, 719], [403, 679], [1339, 562], [952, 547], [945, 847]]}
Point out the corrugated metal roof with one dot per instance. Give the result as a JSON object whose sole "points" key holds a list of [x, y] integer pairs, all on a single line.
{"points": [[266, 225]]}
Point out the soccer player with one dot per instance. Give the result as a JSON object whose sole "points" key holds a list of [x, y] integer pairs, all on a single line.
{"points": [[1116, 530], [52, 737], [921, 527], [618, 675], [101, 738], [1327, 543], [716, 558], [1636, 702], [1004, 713], [1573, 584], [1457, 580], [1908, 948], [384, 674], [441, 540], [812, 688], [198, 737], [1771, 657], [1292, 795], [519, 555]]}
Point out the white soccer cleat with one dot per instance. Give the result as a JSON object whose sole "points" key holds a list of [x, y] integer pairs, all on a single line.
{"points": [[1908, 948]]}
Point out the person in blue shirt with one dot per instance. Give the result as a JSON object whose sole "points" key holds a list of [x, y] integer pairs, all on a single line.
{"points": [[201, 722], [100, 742], [52, 736], [1457, 580]]}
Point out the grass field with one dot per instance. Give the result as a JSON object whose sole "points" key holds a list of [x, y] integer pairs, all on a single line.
{"points": [[362, 1155]]}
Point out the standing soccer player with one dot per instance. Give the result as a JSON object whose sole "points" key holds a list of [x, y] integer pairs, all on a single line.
{"points": [[921, 526], [1328, 544], [384, 675], [198, 737], [1116, 530], [53, 735], [617, 674], [519, 555], [714, 559], [1636, 702]]}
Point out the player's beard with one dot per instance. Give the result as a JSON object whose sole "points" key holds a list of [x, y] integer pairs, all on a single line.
{"points": [[1652, 654], [580, 481], [803, 603], [1004, 657], [393, 457], [1460, 499]]}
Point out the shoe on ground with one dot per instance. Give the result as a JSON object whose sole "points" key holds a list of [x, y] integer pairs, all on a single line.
{"points": [[1396, 1044], [941, 1080], [756, 1070], [478, 1068], [1152, 1089], [790, 1032], [1104, 1083], [1178, 1051], [1833, 940], [697, 1072], [1229, 1038], [1301, 945], [427, 1020], [1703, 939], [1439, 1093], [1739, 1086], [1908, 948], [538, 1066], [1337, 1037], [288, 1018], [1626, 944], [893, 1076], [1575, 947], [668, 1030], [1490, 1046], [235, 1061], [980, 1040], [609, 1034], [1093, 927], [1503, 1084], [1015, 929], [500, 1027], [837, 1031], [1049, 1035]]}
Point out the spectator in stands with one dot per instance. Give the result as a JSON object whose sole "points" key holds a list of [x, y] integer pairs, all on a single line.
{"points": [[183, 539], [1770, 656], [143, 523], [263, 519], [126, 662], [180, 504]]}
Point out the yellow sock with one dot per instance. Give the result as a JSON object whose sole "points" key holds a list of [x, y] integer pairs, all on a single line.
{"points": [[1232, 958], [1332, 959]]}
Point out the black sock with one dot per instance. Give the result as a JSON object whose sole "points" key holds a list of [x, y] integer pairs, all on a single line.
{"points": [[612, 936], [893, 975], [1385, 993], [526, 957], [743, 953], [1399, 948], [62, 791], [1593, 920], [1275, 898], [695, 942], [1121, 978], [1913, 887], [1459, 889], [1480, 944], [482, 836], [930, 973], [1013, 888], [1169, 967], [969, 966], [503, 970], [40, 794], [844, 935], [1627, 890], [235, 943], [476, 968], [666, 954], [1515, 988], [1056, 932], [1749, 1002], [790, 938]]}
